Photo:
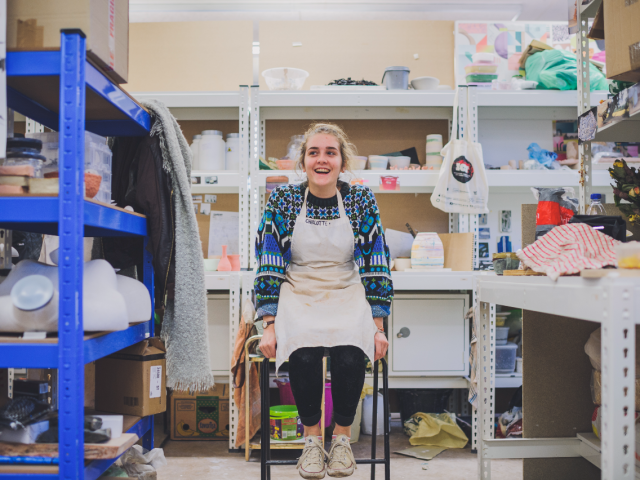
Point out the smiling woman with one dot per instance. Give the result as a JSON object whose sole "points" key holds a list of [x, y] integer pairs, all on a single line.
{"points": [[323, 283]]}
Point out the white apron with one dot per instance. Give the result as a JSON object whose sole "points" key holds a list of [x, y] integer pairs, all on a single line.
{"points": [[323, 302]]}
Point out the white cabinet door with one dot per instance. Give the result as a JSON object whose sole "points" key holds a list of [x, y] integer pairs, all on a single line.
{"points": [[218, 322], [430, 335]]}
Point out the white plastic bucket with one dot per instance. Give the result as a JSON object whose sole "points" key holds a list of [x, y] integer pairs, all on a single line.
{"points": [[396, 78], [232, 155], [211, 151], [366, 426]]}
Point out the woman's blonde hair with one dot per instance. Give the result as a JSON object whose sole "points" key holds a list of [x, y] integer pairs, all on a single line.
{"points": [[347, 149]]}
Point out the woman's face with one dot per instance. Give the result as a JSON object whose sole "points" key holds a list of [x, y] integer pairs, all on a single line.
{"points": [[323, 162]]}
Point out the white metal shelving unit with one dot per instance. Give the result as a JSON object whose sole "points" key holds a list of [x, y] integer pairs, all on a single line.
{"points": [[252, 108], [610, 301], [221, 106]]}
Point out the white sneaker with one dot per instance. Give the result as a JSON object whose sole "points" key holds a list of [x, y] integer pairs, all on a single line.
{"points": [[312, 461], [341, 461]]}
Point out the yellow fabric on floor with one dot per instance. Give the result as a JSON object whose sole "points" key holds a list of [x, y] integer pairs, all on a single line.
{"points": [[437, 429]]}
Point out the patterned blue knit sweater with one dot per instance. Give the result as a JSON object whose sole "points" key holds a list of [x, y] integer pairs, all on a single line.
{"points": [[273, 242]]}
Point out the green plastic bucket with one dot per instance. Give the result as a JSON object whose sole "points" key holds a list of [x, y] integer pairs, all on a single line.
{"points": [[285, 423]]}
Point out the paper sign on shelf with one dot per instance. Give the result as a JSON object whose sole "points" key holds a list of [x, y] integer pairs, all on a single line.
{"points": [[223, 230], [155, 382]]}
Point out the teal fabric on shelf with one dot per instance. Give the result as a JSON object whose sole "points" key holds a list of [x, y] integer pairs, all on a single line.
{"points": [[558, 70]]}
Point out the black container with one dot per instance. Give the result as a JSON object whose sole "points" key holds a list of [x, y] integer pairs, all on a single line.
{"points": [[425, 400]]}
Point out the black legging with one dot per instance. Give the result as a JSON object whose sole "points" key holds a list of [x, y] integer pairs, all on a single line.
{"points": [[347, 380]]}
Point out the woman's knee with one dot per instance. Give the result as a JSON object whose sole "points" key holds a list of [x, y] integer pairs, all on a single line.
{"points": [[307, 355]]}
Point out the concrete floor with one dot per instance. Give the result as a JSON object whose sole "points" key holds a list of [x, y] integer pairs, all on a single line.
{"points": [[195, 460]]}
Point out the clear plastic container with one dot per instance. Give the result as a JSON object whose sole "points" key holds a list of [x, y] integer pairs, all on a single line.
{"points": [[294, 146], [596, 207], [285, 78], [502, 335], [23, 158], [506, 357], [97, 159], [628, 255]]}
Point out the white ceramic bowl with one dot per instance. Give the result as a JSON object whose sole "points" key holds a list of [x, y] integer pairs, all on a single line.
{"points": [[285, 78], [425, 83], [402, 264], [211, 264], [377, 162], [359, 163], [399, 162]]}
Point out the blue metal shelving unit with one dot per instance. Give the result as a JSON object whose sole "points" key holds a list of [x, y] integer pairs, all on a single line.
{"points": [[61, 90]]}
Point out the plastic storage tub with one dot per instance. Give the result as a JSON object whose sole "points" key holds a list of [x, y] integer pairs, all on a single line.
{"points": [[285, 78], [502, 335], [23, 158], [377, 162], [285, 423], [97, 159], [399, 162], [396, 78], [481, 68], [506, 357], [628, 255], [481, 78], [359, 163]]}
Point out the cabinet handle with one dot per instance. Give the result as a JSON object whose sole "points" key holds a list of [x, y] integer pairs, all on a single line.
{"points": [[404, 332]]}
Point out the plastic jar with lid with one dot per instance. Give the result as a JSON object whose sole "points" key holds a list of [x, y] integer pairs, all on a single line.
{"points": [[195, 147], [23, 158], [232, 158], [211, 150], [293, 149]]}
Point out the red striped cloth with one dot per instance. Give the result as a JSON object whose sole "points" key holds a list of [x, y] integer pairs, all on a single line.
{"points": [[569, 249]]}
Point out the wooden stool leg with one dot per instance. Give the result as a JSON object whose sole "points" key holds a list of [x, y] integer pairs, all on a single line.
{"points": [[247, 408]]}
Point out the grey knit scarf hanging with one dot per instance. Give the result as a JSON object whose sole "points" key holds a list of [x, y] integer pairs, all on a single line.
{"points": [[184, 329]]}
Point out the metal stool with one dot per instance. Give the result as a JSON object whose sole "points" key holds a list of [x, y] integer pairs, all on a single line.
{"points": [[265, 439]]}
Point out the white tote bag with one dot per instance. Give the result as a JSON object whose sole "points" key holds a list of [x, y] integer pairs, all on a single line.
{"points": [[462, 185]]}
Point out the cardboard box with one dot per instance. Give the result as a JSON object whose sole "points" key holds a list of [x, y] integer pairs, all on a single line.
{"points": [[622, 36], [458, 251], [36, 25], [132, 381], [200, 415]]}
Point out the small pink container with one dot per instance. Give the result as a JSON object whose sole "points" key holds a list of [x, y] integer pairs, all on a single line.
{"points": [[388, 183], [234, 260], [286, 398]]}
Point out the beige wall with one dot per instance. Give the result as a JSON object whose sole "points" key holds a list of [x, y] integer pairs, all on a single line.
{"points": [[189, 56], [358, 49], [214, 56]]}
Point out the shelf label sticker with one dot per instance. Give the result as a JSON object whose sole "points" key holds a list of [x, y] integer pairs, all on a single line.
{"points": [[155, 382]]}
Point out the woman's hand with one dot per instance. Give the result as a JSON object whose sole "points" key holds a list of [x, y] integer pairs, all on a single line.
{"points": [[382, 344], [268, 341]]}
